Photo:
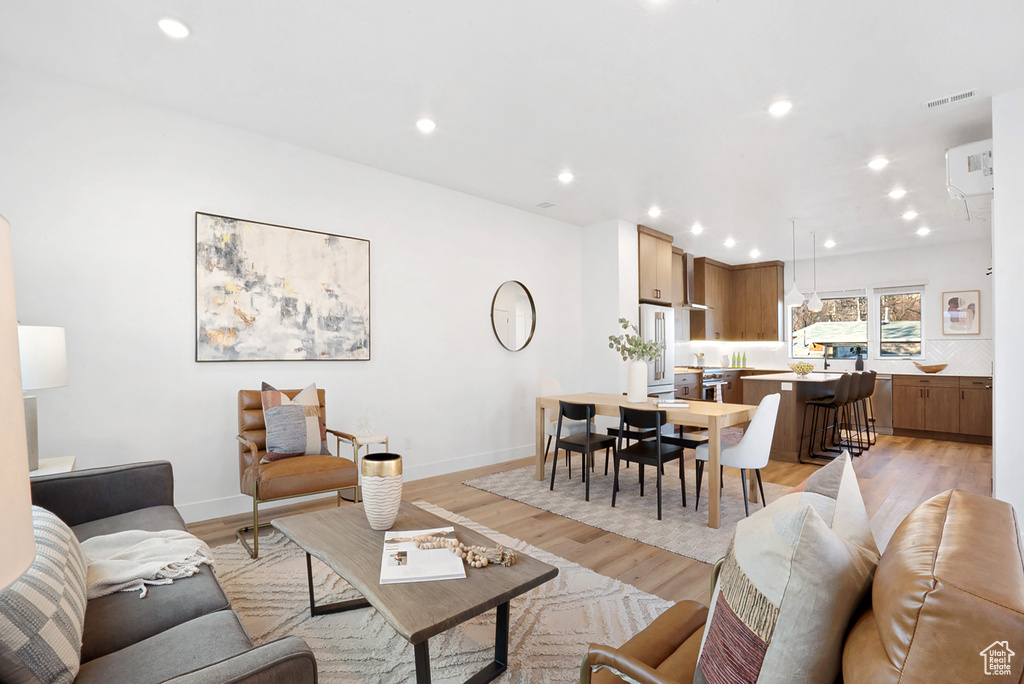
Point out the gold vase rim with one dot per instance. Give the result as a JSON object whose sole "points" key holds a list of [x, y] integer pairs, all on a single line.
{"points": [[381, 465]]}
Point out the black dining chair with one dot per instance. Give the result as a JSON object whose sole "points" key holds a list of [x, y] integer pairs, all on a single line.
{"points": [[654, 452], [586, 442]]}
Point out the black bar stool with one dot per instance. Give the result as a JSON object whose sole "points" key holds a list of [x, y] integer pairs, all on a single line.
{"points": [[824, 404]]}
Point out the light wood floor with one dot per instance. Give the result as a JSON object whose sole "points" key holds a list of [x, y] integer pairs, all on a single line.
{"points": [[896, 475]]}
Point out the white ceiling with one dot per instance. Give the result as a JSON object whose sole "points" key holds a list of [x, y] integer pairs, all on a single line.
{"points": [[646, 101]]}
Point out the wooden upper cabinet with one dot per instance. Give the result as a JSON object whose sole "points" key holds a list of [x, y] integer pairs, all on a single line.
{"points": [[678, 276], [655, 250]]}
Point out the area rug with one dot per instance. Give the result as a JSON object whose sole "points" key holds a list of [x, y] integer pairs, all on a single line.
{"points": [[681, 530], [551, 625]]}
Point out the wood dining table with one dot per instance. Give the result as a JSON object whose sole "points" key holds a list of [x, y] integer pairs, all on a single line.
{"points": [[706, 414]]}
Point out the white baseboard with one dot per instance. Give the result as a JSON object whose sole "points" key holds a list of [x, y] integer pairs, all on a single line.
{"points": [[239, 503]]}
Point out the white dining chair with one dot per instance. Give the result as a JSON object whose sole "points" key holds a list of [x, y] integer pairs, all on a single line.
{"points": [[751, 452], [549, 387]]}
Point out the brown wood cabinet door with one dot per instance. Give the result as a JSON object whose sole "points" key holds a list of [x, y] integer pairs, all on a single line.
{"points": [[942, 409], [908, 407], [648, 248], [769, 309], [718, 299], [678, 284], [663, 263], [976, 412], [746, 297]]}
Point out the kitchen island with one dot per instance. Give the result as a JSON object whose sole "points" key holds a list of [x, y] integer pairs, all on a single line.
{"points": [[795, 390]]}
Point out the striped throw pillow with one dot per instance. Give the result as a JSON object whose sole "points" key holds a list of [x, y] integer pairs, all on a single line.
{"points": [[295, 427], [42, 613]]}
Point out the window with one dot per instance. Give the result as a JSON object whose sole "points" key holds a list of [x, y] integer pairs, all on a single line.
{"points": [[899, 321], [838, 331]]}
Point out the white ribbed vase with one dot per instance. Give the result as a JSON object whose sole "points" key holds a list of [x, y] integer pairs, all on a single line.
{"points": [[636, 381], [382, 489]]}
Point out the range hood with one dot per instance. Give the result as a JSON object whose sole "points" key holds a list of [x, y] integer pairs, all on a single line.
{"points": [[690, 292]]}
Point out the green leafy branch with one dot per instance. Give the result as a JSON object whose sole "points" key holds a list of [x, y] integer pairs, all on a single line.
{"points": [[631, 346]]}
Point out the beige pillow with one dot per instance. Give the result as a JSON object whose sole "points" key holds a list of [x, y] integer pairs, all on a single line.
{"points": [[795, 573]]}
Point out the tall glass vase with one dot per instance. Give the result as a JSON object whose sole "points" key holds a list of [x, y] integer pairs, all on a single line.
{"points": [[381, 489], [636, 381]]}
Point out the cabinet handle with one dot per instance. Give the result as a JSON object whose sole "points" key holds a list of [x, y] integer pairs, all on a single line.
{"points": [[927, 393], [962, 394]]}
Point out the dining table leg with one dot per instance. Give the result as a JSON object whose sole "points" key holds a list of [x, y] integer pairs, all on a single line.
{"points": [[539, 475], [754, 497], [714, 473]]}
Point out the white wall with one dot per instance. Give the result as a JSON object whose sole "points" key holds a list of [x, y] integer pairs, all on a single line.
{"points": [[1007, 246], [943, 267], [101, 192]]}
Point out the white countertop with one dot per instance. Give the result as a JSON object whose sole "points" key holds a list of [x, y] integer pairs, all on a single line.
{"points": [[793, 377]]}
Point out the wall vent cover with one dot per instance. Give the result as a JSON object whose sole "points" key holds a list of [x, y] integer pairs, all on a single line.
{"points": [[964, 96], [545, 205]]}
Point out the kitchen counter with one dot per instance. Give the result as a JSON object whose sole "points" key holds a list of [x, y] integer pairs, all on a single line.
{"points": [[793, 377]]}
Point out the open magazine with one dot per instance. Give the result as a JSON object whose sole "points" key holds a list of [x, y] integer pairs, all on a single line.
{"points": [[403, 562]]}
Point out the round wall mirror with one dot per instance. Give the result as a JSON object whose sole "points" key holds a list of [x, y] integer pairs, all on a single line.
{"points": [[513, 315]]}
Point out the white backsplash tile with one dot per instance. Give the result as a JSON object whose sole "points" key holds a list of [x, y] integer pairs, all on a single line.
{"points": [[964, 357]]}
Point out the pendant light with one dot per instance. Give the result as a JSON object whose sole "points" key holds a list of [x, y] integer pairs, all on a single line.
{"points": [[815, 305], [795, 297]]}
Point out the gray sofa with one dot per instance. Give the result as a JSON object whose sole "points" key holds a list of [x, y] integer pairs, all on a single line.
{"points": [[185, 632]]}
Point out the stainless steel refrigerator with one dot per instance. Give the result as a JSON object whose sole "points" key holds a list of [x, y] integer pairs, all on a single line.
{"points": [[658, 323]]}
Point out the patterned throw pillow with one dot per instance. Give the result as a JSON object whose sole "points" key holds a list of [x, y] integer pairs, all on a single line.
{"points": [[42, 613], [795, 573], [295, 427]]}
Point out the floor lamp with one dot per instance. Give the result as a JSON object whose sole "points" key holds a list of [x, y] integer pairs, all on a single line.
{"points": [[19, 547], [44, 364]]}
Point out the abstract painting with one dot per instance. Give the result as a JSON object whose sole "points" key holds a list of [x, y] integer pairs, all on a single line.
{"points": [[960, 314], [272, 293]]}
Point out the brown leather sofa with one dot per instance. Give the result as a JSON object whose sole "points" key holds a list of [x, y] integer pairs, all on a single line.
{"points": [[946, 605]]}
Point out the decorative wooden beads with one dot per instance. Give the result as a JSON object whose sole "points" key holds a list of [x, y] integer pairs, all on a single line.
{"points": [[475, 556]]}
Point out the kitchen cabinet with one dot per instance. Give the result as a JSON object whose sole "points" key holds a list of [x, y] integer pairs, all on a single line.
{"points": [[746, 301], [976, 406], [678, 276], [732, 390], [655, 251], [688, 386], [926, 403], [711, 283]]}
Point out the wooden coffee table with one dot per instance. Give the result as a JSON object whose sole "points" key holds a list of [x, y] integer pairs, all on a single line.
{"points": [[342, 539]]}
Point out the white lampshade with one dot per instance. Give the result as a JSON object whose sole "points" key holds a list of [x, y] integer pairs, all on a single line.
{"points": [[795, 297], [44, 358], [815, 305], [19, 546]]}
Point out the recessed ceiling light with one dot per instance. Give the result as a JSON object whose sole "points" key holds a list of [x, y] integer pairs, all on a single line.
{"points": [[754, 253], [697, 229], [910, 215], [924, 230], [897, 193], [565, 176], [878, 163], [426, 125], [173, 27], [780, 108], [654, 212], [830, 243], [729, 242]]}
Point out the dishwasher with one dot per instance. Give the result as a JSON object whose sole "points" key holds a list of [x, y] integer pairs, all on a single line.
{"points": [[882, 404]]}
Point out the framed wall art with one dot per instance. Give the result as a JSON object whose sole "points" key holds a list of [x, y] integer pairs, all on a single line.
{"points": [[272, 293], [960, 313]]}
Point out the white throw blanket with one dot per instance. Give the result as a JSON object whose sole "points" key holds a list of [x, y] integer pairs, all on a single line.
{"points": [[129, 560]]}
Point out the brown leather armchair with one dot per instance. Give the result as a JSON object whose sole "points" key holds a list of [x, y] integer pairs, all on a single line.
{"points": [[948, 588], [285, 478]]}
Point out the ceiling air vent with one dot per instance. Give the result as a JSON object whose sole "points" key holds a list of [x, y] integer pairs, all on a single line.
{"points": [[951, 99], [546, 205]]}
